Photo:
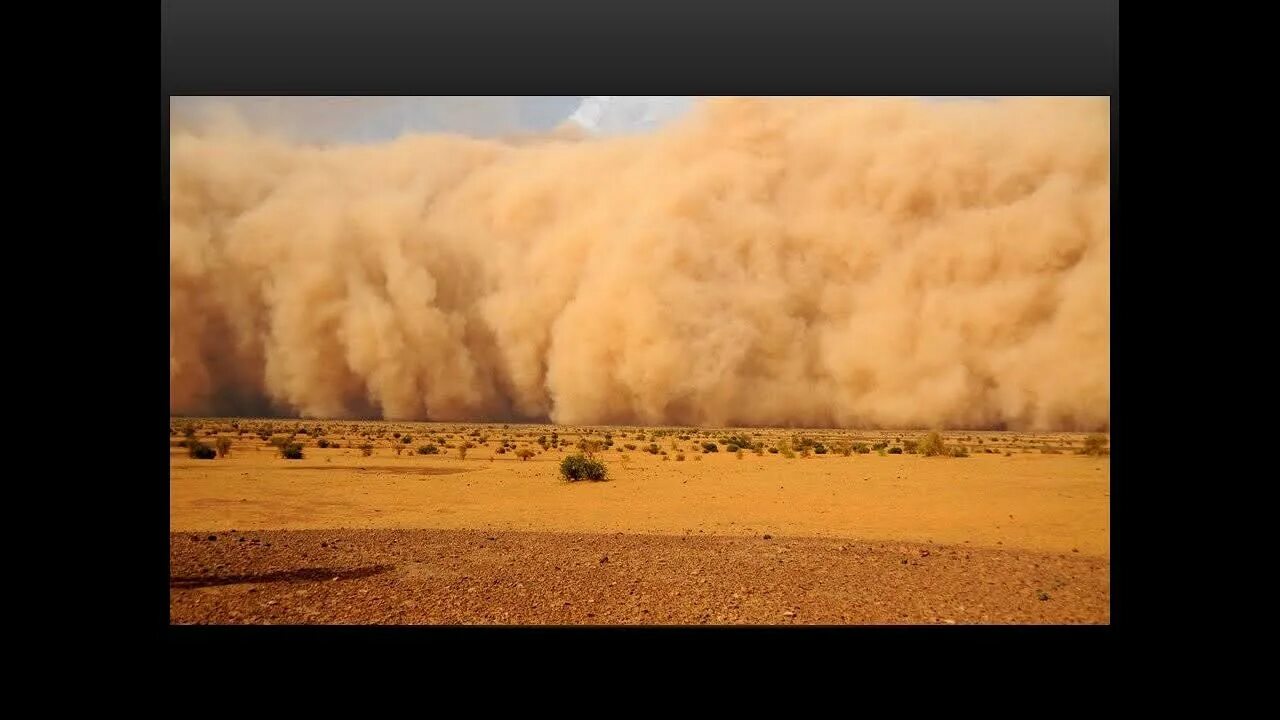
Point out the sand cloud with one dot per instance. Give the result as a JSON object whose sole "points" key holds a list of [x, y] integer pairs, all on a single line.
{"points": [[853, 262]]}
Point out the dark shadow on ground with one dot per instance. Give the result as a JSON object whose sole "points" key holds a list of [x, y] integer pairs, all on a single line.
{"points": [[286, 576]]}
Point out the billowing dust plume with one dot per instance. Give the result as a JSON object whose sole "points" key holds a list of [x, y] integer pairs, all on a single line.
{"points": [[822, 262]]}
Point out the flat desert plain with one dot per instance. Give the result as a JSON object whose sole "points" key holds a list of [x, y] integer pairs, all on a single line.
{"points": [[373, 531]]}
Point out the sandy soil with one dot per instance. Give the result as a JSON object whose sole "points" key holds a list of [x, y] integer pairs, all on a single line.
{"points": [[470, 577], [684, 539]]}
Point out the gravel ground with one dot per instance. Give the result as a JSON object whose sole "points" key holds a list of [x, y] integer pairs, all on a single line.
{"points": [[462, 577]]}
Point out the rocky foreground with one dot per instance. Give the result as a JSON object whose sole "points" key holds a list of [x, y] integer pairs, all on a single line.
{"points": [[461, 577]]}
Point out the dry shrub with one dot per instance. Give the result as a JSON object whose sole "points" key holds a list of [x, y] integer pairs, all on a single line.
{"points": [[933, 445], [1096, 444]]}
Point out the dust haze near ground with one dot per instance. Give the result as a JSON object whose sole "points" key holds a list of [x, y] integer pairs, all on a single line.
{"points": [[858, 263]]}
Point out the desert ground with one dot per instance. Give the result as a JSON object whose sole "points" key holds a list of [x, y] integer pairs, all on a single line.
{"points": [[367, 528]]}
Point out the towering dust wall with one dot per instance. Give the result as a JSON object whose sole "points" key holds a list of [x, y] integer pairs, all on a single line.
{"points": [[759, 262]]}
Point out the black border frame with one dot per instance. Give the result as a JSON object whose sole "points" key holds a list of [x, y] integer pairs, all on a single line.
{"points": [[716, 47]]}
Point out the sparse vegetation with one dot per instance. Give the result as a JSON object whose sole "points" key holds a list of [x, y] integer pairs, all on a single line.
{"points": [[366, 449], [932, 445], [199, 451], [580, 467], [1095, 444], [224, 446], [524, 454]]}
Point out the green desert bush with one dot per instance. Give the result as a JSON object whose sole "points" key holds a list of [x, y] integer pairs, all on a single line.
{"points": [[861, 448], [291, 451], [895, 450], [652, 449], [911, 447], [731, 448], [428, 450], [710, 447], [820, 449], [933, 445], [322, 443], [880, 446], [200, 451], [773, 451], [580, 467], [406, 439]]}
